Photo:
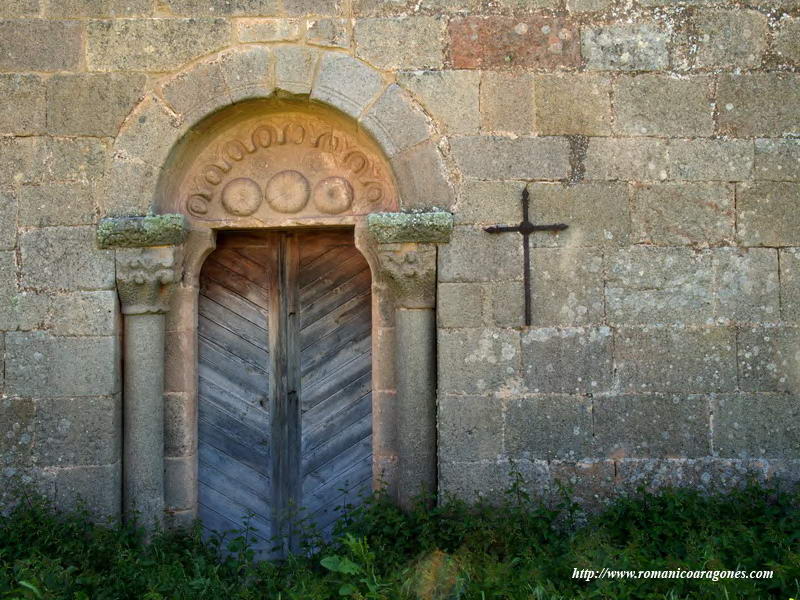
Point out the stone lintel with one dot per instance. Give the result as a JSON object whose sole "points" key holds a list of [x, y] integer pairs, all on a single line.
{"points": [[145, 278], [432, 227], [143, 231]]}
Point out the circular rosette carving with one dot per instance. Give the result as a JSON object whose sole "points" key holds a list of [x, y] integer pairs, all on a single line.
{"points": [[333, 195], [242, 197], [288, 191]]}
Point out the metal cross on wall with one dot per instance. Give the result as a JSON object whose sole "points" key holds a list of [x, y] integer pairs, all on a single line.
{"points": [[526, 228]]}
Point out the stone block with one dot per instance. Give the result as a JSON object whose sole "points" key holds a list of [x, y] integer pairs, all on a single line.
{"points": [[787, 40], [51, 204], [269, 30], [769, 359], [450, 97], [316, 7], [707, 474], [395, 122], [422, 178], [627, 159], [8, 220], [40, 45], [625, 47], [747, 283], [22, 311], [78, 431], [84, 313], [478, 361], [17, 428], [384, 42], [230, 8], [652, 426], [590, 483], [598, 214], [180, 483], [493, 157], [547, 428], [660, 105], [470, 428], [584, 6], [573, 104], [346, 83], [675, 359], [23, 110], [180, 424], [767, 214], [777, 160], [39, 364], [130, 188], [64, 258], [8, 276], [459, 304], [474, 255], [294, 68], [646, 284], [180, 355], [730, 38], [567, 288], [684, 214], [197, 91], [146, 136], [452, 6], [757, 426], [152, 44], [70, 159], [61, 9], [545, 43], [248, 72], [506, 101], [20, 8], [489, 202], [790, 283], [569, 360], [711, 160], [97, 489], [758, 104], [477, 480], [18, 160], [333, 33]]}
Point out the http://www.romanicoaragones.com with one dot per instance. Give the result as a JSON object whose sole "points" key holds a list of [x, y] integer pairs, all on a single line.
{"points": [[606, 573]]}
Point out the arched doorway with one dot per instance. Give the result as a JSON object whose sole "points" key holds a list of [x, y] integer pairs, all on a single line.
{"points": [[267, 155]]}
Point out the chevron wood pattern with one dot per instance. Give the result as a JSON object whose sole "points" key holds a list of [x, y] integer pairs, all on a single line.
{"points": [[268, 438]]}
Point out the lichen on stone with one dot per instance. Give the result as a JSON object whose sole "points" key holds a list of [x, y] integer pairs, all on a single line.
{"points": [[137, 232], [424, 227]]}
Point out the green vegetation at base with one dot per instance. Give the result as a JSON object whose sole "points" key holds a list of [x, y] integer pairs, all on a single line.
{"points": [[520, 549]]}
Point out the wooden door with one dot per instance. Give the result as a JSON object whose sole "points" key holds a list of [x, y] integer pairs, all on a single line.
{"points": [[285, 369]]}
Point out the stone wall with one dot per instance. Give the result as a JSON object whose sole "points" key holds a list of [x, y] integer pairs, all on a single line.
{"points": [[664, 344]]}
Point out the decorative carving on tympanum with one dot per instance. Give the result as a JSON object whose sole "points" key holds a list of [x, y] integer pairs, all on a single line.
{"points": [[409, 270], [145, 278], [287, 191], [242, 197], [286, 163]]}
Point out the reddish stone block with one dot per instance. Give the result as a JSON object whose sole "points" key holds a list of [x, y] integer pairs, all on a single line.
{"points": [[489, 42]]}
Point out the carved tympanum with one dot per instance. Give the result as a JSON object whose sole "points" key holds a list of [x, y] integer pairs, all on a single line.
{"points": [[285, 164], [145, 277]]}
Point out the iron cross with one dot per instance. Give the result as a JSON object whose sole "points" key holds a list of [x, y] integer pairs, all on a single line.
{"points": [[526, 228]]}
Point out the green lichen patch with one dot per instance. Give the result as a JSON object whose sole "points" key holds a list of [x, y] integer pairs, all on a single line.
{"points": [[425, 227], [138, 232]]}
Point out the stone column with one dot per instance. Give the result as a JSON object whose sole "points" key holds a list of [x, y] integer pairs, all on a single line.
{"points": [[146, 271], [406, 251]]}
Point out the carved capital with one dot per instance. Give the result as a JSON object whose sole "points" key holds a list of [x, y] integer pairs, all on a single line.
{"points": [[145, 278], [409, 271]]}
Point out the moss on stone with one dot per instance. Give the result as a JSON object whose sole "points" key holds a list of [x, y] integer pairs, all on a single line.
{"points": [[137, 232], [430, 227]]}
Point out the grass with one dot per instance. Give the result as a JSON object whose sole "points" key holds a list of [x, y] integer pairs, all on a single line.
{"points": [[520, 549]]}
